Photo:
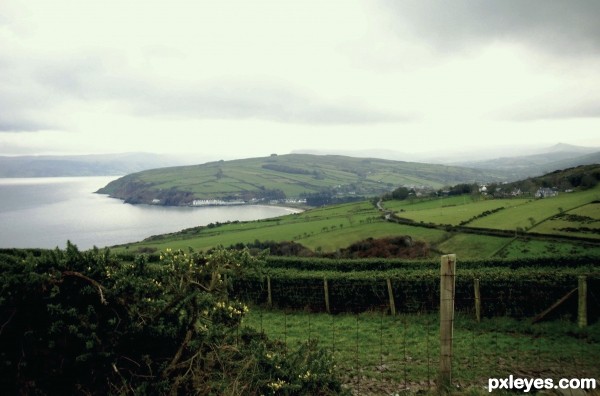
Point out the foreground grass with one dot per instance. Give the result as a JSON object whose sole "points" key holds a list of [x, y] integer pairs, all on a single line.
{"points": [[377, 351]]}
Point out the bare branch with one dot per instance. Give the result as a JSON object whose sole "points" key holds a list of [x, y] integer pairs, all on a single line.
{"points": [[8, 321], [92, 281]]}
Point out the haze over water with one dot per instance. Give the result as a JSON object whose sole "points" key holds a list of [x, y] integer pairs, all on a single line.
{"points": [[46, 212]]}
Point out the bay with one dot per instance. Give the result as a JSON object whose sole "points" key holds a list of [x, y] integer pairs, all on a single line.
{"points": [[46, 212]]}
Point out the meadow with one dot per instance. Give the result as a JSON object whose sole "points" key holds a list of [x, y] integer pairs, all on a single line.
{"points": [[330, 228], [381, 354], [452, 210], [535, 212]]}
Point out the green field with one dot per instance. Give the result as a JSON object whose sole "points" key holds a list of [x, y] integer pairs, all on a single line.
{"points": [[473, 246], [381, 354], [326, 229], [583, 221], [522, 213], [534, 212], [330, 228], [454, 210]]}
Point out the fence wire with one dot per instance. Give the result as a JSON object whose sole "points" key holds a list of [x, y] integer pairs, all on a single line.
{"points": [[379, 353]]}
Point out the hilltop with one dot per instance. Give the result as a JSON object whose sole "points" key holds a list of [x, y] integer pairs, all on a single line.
{"points": [[318, 179]]}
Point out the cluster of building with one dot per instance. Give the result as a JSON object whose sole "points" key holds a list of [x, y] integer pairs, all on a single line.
{"points": [[288, 201], [216, 202], [542, 192], [220, 202]]}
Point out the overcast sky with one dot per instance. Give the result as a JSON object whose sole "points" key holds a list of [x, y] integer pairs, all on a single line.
{"points": [[249, 78]]}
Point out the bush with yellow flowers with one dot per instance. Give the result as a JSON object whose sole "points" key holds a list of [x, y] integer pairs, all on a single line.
{"points": [[89, 323]]}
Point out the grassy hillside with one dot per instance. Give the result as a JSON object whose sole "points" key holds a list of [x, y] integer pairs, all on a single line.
{"points": [[335, 227], [508, 214], [472, 225], [285, 176]]}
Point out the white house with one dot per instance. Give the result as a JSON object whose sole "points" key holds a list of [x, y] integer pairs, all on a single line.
{"points": [[546, 193]]}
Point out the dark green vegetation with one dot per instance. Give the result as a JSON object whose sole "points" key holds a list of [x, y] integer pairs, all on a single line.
{"points": [[515, 288], [88, 323], [98, 323], [318, 179]]}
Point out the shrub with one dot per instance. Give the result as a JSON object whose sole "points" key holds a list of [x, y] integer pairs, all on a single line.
{"points": [[87, 323]]}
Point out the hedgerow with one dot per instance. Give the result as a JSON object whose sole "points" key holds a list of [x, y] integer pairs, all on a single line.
{"points": [[87, 323], [384, 264], [506, 291]]}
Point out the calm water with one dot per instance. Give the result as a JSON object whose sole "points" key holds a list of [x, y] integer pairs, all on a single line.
{"points": [[46, 212]]}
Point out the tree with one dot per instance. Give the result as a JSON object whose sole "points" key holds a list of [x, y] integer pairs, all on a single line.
{"points": [[401, 193]]}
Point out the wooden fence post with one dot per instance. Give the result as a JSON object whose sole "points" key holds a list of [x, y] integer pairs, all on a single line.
{"points": [[391, 297], [447, 282], [477, 300], [269, 295], [582, 306], [326, 291]]}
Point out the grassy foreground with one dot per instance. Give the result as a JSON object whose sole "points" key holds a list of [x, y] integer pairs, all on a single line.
{"points": [[383, 354]]}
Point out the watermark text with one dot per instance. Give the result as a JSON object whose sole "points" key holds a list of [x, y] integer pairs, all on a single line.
{"points": [[529, 384]]}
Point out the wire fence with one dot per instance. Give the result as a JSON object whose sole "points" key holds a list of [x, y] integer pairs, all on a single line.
{"points": [[378, 352]]}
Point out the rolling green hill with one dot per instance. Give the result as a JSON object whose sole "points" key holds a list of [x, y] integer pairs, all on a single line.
{"points": [[285, 176], [565, 225]]}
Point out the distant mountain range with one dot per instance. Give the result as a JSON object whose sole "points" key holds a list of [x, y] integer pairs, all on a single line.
{"points": [[84, 165], [522, 162], [560, 156], [514, 163]]}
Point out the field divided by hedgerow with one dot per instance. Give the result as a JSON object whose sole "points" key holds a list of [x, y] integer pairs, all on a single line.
{"points": [[330, 228], [583, 221], [529, 215], [453, 211]]}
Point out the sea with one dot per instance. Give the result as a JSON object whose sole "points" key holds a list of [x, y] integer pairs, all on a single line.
{"points": [[48, 212]]}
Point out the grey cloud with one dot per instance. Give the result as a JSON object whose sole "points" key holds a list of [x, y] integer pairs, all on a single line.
{"points": [[18, 124], [87, 79], [562, 27], [21, 112], [243, 101], [25, 106], [72, 76], [566, 111]]}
